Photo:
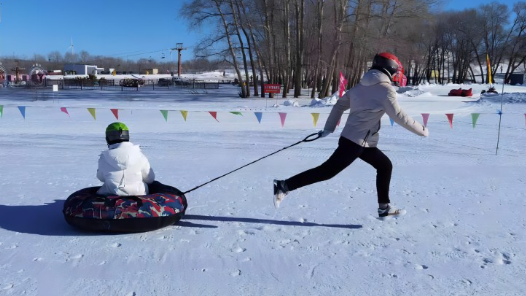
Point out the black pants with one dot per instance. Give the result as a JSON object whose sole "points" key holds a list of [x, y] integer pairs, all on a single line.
{"points": [[342, 157]]}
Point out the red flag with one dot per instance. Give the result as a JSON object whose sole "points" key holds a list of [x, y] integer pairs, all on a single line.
{"points": [[343, 84], [450, 118], [214, 115], [115, 113]]}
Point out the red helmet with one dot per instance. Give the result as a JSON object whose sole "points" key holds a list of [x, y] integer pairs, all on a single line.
{"points": [[388, 62]]}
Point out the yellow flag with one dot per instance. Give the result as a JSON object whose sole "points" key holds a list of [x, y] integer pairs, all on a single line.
{"points": [[489, 69], [92, 112], [315, 117], [184, 113]]}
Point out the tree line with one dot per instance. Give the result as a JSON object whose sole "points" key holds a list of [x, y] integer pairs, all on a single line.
{"points": [[307, 43], [55, 60]]}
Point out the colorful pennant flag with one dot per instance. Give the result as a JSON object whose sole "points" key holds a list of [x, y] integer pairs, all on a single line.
{"points": [[236, 113], [22, 111], [343, 84], [524, 115], [184, 113], [489, 69], [1, 110], [315, 117], [115, 113], [92, 112], [214, 115], [165, 114], [63, 109], [425, 117], [282, 116], [259, 115], [392, 121], [474, 118], [450, 118], [338, 123]]}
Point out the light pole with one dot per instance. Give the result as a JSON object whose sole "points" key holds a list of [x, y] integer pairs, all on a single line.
{"points": [[179, 48]]}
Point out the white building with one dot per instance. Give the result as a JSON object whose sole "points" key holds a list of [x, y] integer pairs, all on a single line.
{"points": [[82, 69]]}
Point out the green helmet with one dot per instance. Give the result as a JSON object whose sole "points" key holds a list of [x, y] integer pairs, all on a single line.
{"points": [[117, 132]]}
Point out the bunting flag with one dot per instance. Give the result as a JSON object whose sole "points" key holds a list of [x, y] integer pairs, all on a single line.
{"points": [[115, 113], [259, 115], [315, 117], [1, 110], [392, 121], [489, 69], [282, 116], [338, 123], [450, 118], [474, 118], [184, 113], [524, 114], [92, 112], [63, 109], [425, 117], [22, 111], [214, 115], [343, 84], [236, 113], [165, 114]]}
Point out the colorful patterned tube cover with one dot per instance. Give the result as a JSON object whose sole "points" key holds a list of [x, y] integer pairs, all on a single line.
{"points": [[85, 209]]}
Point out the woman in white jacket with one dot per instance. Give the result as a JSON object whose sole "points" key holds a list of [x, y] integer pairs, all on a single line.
{"points": [[123, 168], [368, 102]]}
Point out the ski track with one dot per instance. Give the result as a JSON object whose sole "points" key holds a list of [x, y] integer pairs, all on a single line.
{"points": [[462, 234]]}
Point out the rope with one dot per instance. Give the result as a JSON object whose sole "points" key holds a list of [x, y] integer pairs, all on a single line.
{"points": [[307, 139]]}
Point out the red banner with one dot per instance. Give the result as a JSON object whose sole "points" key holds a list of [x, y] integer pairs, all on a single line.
{"points": [[272, 88]]}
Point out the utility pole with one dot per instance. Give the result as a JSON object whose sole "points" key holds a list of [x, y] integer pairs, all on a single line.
{"points": [[179, 48]]}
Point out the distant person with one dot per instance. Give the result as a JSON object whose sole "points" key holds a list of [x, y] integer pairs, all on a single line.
{"points": [[123, 168], [368, 102]]}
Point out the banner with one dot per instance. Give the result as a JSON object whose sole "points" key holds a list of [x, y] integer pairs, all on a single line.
{"points": [[489, 69], [22, 111], [343, 84], [184, 113], [272, 88], [315, 117], [214, 115], [165, 114], [115, 113], [259, 115], [425, 117], [63, 109], [450, 118], [474, 118], [282, 116], [92, 112]]}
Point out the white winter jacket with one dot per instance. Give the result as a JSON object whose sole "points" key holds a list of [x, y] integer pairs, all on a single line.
{"points": [[369, 101], [124, 170]]}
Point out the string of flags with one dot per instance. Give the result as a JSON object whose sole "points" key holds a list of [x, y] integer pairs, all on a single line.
{"points": [[259, 115]]}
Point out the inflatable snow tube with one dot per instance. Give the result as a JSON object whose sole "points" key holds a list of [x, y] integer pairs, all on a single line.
{"points": [[85, 209]]}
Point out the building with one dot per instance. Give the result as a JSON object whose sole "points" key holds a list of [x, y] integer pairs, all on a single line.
{"points": [[76, 69]]}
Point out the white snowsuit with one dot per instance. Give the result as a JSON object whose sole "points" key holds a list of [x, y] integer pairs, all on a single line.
{"points": [[124, 170]]}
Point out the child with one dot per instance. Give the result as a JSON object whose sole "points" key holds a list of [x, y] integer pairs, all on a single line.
{"points": [[123, 167]]}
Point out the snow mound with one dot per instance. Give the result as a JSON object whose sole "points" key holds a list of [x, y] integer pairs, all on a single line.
{"points": [[327, 101], [507, 98], [417, 93], [292, 103]]}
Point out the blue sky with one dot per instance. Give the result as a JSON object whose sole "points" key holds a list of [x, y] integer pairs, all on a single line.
{"points": [[101, 27], [129, 29]]}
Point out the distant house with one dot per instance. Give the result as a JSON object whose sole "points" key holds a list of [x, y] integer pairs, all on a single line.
{"points": [[150, 71], [77, 69], [517, 78]]}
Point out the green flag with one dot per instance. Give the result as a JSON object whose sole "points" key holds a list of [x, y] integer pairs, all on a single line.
{"points": [[165, 114], [474, 118]]}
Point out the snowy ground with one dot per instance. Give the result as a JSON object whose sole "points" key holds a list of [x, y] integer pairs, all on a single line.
{"points": [[463, 233]]}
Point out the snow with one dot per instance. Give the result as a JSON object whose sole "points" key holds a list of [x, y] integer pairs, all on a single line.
{"points": [[463, 233]]}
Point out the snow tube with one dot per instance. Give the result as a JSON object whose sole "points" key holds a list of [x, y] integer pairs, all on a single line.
{"points": [[85, 209]]}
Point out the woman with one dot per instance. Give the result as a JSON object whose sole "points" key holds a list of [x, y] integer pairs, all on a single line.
{"points": [[368, 102]]}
